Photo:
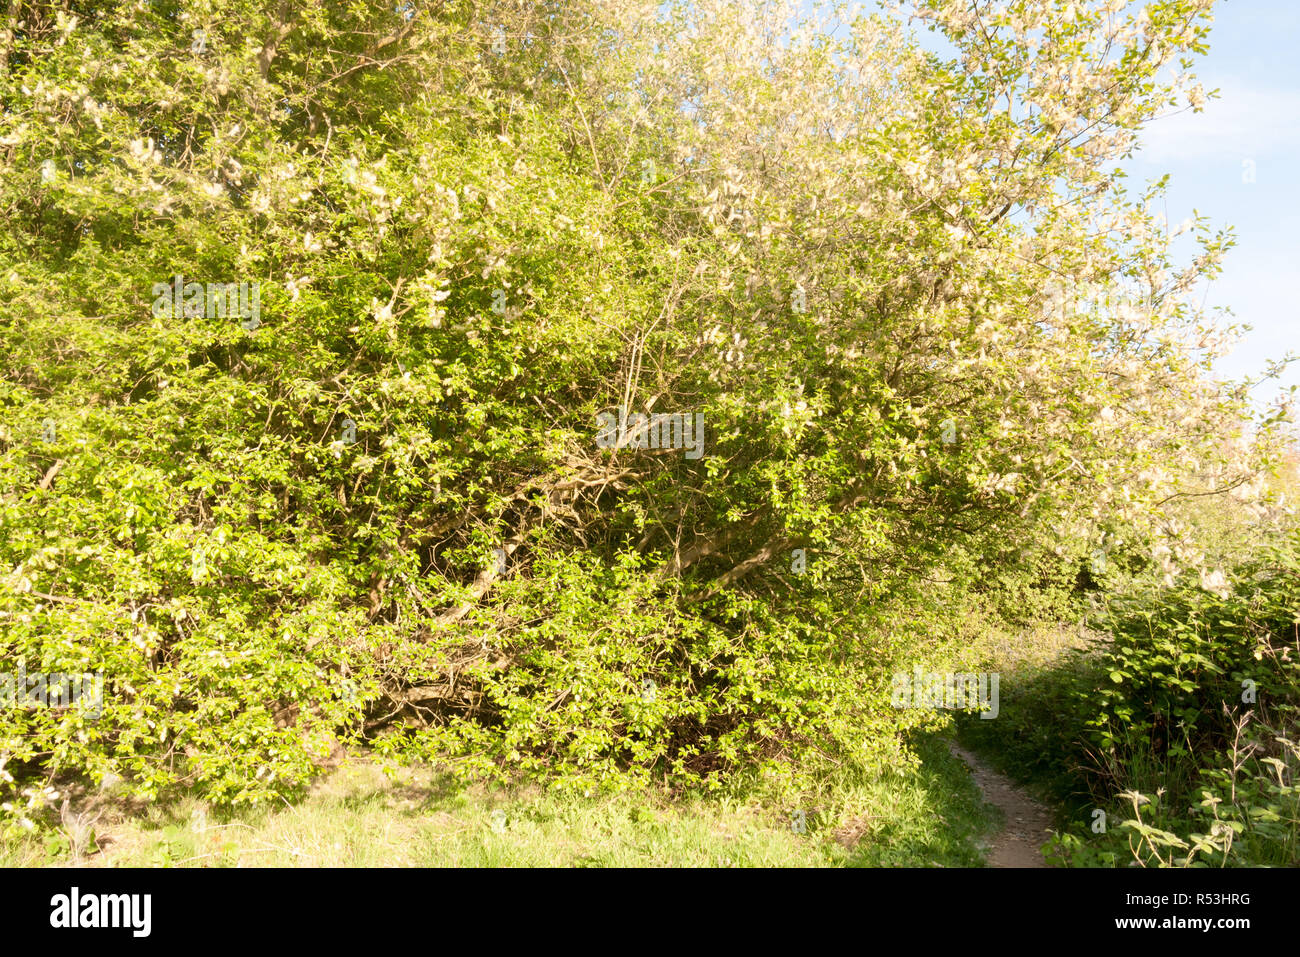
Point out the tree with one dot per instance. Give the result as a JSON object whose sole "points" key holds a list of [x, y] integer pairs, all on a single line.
{"points": [[915, 325]]}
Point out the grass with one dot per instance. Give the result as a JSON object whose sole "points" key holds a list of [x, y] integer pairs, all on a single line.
{"points": [[365, 815]]}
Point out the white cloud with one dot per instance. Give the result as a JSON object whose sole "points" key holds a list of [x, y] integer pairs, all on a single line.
{"points": [[1244, 122]]}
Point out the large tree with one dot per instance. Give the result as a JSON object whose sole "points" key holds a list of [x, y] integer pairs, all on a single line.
{"points": [[928, 335]]}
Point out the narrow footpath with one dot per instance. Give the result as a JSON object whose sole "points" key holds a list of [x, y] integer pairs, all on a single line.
{"points": [[1028, 823]]}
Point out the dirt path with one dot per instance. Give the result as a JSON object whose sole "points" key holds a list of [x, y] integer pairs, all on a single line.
{"points": [[1028, 823]]}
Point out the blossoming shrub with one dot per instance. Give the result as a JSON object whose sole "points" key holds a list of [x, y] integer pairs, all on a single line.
{"points": [[934, 345]]}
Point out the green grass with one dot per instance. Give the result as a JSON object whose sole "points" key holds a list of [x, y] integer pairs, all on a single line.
{"points": [[361, 816]]}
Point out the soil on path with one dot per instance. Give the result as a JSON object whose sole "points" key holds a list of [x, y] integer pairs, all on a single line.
{"points": [[1028, 823]]}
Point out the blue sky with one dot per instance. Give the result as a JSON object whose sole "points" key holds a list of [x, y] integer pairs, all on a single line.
{"points": [[1254, 126]]}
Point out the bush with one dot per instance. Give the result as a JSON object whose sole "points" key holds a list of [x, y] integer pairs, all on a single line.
{"points": [[382, 507], [1192, 727]]}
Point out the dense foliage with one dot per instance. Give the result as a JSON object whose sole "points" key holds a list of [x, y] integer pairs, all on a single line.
{"points": [[936, 350], [1174, 739]]}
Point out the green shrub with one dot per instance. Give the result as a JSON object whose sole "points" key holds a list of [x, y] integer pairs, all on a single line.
{"points": [[381, 508], [1194, 718]]}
